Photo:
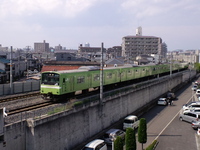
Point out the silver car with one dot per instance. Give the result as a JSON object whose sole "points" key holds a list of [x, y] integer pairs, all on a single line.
{"points": [[111, 135], [195, 125], [191, 105], [189, 116], [162, 101]]}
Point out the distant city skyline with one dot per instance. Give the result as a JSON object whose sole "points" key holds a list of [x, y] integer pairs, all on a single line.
{"points": [[74, 22]]}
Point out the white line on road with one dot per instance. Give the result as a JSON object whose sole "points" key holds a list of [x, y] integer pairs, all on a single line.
{"points": [[170, 121]]}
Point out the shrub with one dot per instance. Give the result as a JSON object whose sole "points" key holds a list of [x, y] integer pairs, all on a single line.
{"points": [[152, 145], [79, 103], [130, 139], [118, 143], [142, 131]]}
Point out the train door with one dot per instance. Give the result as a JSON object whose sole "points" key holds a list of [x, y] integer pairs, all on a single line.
{"points": [[89, 80], [64, 87], [71, 83]]}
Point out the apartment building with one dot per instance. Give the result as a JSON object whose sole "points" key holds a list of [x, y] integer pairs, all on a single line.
{"points": [[114, 52], [132, 46], [41, 47]]}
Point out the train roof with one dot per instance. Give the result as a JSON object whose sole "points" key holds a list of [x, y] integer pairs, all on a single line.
{"points": [[69, 71], [89, 68], [92, 68]]}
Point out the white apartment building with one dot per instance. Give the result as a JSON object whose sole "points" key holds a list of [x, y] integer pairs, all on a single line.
{"points": [[132, 46]]}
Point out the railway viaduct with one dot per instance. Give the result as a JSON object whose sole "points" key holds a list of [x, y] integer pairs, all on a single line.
{"points": [[67, 129]]}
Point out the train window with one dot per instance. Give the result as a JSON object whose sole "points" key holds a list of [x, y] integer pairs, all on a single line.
{"points": [[129, 72], [109, 75], [96, 77], [50, 78], [154, 69], [143, 70], [136, 70], [80, 79], [63, 80]]}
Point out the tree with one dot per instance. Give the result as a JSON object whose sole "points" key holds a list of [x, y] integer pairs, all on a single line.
{"points": [[118, 143], [142, 132], [197, 67], [130, 139]]}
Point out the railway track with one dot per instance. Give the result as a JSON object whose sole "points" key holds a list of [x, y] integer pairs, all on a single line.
{"points": [[29, 108], [18, 96]]}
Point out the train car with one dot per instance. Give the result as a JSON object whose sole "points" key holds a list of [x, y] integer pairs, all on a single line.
{"points": [[61, 84]]}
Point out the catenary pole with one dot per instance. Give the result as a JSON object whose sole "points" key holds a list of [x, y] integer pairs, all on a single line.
{"points": [[101, 76], [11, 88]]}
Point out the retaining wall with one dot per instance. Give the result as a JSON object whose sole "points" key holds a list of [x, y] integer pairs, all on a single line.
{"points": [[65, 130]]}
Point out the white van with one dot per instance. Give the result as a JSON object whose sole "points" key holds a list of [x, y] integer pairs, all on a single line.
{"points": [[131, 121], [97, 144]]}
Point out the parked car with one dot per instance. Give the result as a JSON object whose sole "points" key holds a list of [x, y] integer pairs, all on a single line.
{"points": [[97, 144], [198, 131], [191, 105], [189, 116], [198, 92], [130, 121], [197, 82], [111, 135], [171, 96], [162, 101], [195, 124], [195, 109], [194, 87]]}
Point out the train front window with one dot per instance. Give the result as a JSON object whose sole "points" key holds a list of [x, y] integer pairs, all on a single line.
{"points": [[50, 78]]}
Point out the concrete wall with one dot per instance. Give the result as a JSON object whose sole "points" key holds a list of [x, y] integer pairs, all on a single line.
{"points": [[64, 131], [19, 87]]}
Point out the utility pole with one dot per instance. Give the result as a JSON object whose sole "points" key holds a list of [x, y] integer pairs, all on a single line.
{"points": [[101, 76], [171, 65], [11, 88]]}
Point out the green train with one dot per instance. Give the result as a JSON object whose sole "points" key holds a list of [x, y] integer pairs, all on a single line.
{"points": [[60, 84]]}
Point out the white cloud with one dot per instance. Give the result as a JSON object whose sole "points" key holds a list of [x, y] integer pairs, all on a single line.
{"points": [[74, 7], [146, 8], [68, 8]]}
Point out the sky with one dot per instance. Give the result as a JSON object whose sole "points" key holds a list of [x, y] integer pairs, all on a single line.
{"points": [[74, 22]]}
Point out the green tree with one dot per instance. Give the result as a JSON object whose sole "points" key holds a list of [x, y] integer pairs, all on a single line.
{"points": [[142, 132], [197, 67], [130, 139], [118, 143]]}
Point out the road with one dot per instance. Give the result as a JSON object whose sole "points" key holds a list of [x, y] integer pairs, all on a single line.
{"points": [[164, 125]]}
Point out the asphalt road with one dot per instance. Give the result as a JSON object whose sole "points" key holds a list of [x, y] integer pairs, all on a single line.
{"points": [[164, 125]]}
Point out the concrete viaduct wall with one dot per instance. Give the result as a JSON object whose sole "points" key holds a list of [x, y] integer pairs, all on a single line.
{"points": [[65, 130]]}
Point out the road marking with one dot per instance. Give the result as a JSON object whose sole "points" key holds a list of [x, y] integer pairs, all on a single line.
{"points": [[170, 121], [197, 141]]}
